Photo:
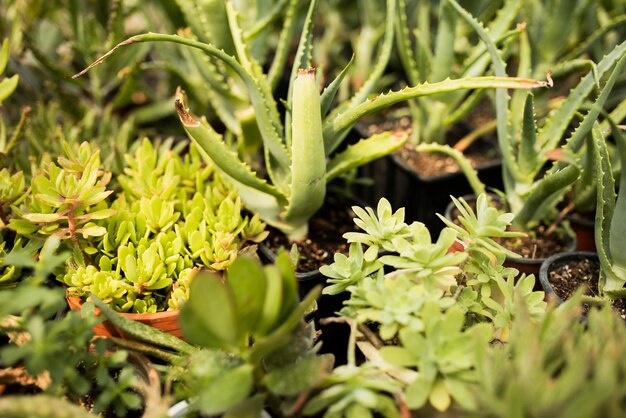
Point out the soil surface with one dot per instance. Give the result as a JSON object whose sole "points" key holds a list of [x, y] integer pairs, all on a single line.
{"points": [[430, 164], [325, 238], [567, 278]]}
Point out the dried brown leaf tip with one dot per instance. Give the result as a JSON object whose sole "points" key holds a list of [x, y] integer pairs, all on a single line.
{"points": [[306, 71], [181, 109]]}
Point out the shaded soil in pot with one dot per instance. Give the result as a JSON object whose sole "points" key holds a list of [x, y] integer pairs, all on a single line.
{"points": [[430, 164], [325, 238], [584, 273]]}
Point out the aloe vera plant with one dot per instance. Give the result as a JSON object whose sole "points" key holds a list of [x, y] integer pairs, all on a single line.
{"points": [[610, 225], [525, 147], [299, 153]]}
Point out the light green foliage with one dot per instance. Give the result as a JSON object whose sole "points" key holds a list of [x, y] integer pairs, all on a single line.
{"points": [[393, 303], [61, 347], [441, 356], [352, 391], [437, 301], [559, 363], [67, 199], [174, 215]]}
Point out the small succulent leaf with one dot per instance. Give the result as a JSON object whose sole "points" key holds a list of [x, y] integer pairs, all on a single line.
{"points": [[273, 300], [7, 87], [418, 391], [439, 396]]}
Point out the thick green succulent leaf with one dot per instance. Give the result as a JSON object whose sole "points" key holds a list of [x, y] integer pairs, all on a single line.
{"points": [[225, 159], [247, 281], [331, 90], [210, 317], [284, 42], [444, 42], [301, 61], [527, 147], [308, 169], [227, 390], [4, 56], [554, 129], [365, 151], [207, 19]]}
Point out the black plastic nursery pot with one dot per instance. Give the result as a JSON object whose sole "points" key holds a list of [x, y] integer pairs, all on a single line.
{"points": [[558, 260], [524, 265], [421, 196]]}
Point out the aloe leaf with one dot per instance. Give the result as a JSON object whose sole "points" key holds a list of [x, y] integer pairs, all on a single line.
{"points": [[207, 19], [308, 171], [605, 209], [617, 239], [335, 127], [331, 90], [365, 151], [541, 196], [520, 98], [284, 42], [264, 22], [555, 127], [265, 115], [444, 42], [502, 97], [382, 57], [226, 160], [527, 151], [470, 173], [302, 60], [595, 37], [143, 332], [403, 44]]}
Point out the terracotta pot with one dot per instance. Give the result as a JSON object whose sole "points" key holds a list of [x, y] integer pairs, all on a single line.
{"points": [[585, 232], [556, 261], [165, 321]]}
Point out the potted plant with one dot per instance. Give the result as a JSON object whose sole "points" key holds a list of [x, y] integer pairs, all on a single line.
{"points": [[524, 147], [414, 309], [606, 281], [432, 162], [58, 353], [139, 253], [249, 348]]}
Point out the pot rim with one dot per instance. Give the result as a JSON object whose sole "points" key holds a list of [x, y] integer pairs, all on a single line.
{"points": [[555, 261], [170, 313]]}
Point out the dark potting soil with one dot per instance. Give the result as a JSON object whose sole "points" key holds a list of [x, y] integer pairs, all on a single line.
{"points": [[325, 239], [430, 164], [584, 273]]}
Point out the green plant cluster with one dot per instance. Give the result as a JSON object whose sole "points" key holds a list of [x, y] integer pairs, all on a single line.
{"points": [[430, 299], [140, 250]]}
